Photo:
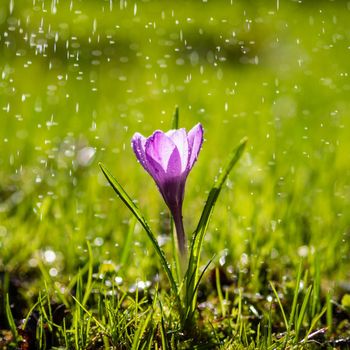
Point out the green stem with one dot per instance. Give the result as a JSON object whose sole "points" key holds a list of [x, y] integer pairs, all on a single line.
{"points": [[180, 232]]}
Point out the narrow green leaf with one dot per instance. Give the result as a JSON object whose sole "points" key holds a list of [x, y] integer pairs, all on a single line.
{"points": [[294, 304], [315, 306], [10, 319], [29, 314], [141, 330], [212, 198], [198, 236], [175, 121], [314, 322], [162, 328], [136, 212], [163, 336], [329, 313], [302, 313], [191, 298], [48, 279], [279, 304], [219, 291], [91, 316], [88, 286]]}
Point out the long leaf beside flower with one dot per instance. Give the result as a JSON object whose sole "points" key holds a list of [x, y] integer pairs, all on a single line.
{"points": [[135, 210], [193, 276]]}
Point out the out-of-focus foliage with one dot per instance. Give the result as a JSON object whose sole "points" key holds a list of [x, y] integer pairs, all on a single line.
{"points": [[78, 78]]}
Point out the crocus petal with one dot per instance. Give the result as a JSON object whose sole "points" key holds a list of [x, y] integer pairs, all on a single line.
{"points": [[195, 140], [174, 168], [159, 148], [157, 172], [179, 137], [138, 144]]}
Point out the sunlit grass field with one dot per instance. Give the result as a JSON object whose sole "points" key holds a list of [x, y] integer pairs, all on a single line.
{"points": [[79, 78]]}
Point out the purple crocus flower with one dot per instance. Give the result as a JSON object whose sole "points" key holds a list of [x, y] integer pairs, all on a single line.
{"points": [[168, 157]]}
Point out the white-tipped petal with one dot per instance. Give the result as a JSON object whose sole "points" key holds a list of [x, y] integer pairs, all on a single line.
{"points": [[138, 143], [179, 137], [195, 140]]}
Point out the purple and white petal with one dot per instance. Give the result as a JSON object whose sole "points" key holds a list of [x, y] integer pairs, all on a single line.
{"points": [[138, 142], [179, 137], [174, 168], [159, 147], [157, 172], [195, 140]]}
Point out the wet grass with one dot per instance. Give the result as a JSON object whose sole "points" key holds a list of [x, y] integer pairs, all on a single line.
{"points": [[76, 271]]}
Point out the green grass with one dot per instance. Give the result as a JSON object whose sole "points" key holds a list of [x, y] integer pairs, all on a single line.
{"points": [[76, 271]]}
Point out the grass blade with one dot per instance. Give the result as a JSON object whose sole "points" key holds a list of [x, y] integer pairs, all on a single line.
{"points": [[136, 212], [212, 198], [91, 316], [10, 319], [162, 328], [198, 236], [302, 313], [294, 303], [329, 313], [219, 291], [314, 322], [88, 286], [141, 330], [279, 304], [315, 306], [175, 121], [191, 299]]}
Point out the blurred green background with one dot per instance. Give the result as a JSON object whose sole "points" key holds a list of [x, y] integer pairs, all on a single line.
{"points": [[78, 78]]}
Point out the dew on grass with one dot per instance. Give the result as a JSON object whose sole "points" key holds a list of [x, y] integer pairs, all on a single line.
{"points": [[98, 241], [118, 280], [53, 272], [49, 256], [207, 305], [33, 262], [139, 286], [303, 251], [163, 239], [223, 256]]}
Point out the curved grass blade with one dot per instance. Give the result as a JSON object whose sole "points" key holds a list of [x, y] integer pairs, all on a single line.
{"points": [[175, 121], [279, 304], [89, 284], [136, 212], [294, 304], [10, 319], [139, 342], [141, 330], [302, 313], [198, 236], [212, 198], [191, 299]]}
